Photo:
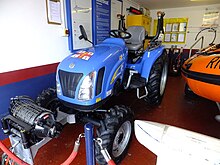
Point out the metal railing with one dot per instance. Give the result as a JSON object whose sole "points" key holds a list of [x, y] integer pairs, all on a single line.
{"points": [[202, 41]]}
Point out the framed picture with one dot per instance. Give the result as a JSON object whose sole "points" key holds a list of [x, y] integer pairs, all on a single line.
{"points": [[174, 37], [182, 27], [167, 37], [54, 12], [181, 37], [175, 27], [168, 27]]}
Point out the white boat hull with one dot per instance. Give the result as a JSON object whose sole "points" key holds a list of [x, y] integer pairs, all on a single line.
{"points": [[176, 146]]}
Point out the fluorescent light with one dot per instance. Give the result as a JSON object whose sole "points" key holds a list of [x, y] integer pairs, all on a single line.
{"points": [[199, 0]]}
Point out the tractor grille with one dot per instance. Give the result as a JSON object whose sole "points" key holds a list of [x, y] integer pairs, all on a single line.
{"points": [[69, 82]]}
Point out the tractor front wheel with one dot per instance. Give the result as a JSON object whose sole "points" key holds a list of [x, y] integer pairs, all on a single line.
{"points": [[115, 131], [48, 99], [157, 81]]}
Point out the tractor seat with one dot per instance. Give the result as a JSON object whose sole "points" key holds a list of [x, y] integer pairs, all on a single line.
{"points": [[136, 42]]}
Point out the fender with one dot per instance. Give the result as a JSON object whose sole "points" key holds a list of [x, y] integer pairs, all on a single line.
{"points": [[143, 65]]}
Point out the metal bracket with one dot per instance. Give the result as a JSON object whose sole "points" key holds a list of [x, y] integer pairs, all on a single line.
{"points": [[131, 73], [138, 93]]}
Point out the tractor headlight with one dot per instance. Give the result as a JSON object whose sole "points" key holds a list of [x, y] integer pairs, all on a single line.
{"points": [[86, 88], [58, 87]]}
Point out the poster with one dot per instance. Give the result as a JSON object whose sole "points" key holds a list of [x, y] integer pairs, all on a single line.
{"points": [[168, 27], [181, 37], [173, 37], [210, 19], [54, 12], [167, 37], [102, 20], [81, 14], [175, 27], [182, 27]]}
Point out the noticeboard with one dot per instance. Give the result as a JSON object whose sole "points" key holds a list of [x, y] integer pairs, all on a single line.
{"points": [[94, 15], [102, 18], [175, 30]]}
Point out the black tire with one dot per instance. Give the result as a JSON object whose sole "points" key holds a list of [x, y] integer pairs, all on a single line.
{"points": [[115, 132], [157, 81], [48, 99]]}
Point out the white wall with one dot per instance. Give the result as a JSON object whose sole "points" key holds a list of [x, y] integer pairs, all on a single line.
{"points": [[26, 39], [195, 15], [128, 4]]}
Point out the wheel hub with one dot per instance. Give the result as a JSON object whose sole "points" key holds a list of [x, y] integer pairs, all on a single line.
{"points": [[121, 139]]}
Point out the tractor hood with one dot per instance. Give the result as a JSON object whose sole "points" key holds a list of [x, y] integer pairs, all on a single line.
{"points": [[90, 59]]}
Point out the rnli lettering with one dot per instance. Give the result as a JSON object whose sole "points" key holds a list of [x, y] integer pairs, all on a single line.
{"points": [[214, 63]]}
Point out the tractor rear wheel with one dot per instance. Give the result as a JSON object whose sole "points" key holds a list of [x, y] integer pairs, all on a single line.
{"points": [[115, 131], [157, 81]]}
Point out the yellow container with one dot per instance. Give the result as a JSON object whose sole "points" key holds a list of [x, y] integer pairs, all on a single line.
{"points": [[140, 20]]}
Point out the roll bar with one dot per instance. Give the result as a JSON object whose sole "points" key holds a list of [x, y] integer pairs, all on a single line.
{"points": [[160, 29]]}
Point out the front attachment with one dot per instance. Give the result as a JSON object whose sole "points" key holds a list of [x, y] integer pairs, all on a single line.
{"points": [[28, 124]]}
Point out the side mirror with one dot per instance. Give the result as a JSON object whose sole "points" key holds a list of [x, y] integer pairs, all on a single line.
{"points": [[83, 33]]}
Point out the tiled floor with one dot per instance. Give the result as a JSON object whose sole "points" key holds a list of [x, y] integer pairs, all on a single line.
{"points": [[193, 114]]}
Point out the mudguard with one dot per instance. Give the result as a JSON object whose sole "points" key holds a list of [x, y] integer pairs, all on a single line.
{"points": [[110, 56], [144, 64]]}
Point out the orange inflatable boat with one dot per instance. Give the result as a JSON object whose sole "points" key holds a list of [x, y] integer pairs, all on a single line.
{"points": [[202, 73]]}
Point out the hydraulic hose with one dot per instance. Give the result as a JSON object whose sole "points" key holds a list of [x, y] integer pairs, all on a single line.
{"points": [[67, 162], [21, 162], [70, 158], [11, 155], [73, 154], [111, 162]]}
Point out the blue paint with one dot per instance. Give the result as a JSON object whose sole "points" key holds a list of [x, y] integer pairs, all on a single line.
{"points": [[93, 21], [31, 87], [69, 24], [110, 54], [88, 129], [144, 64]]}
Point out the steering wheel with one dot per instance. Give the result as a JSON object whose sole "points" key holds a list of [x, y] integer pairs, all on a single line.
{"points": [[120, 34]]}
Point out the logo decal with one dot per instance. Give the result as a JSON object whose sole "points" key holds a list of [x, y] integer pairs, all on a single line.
{"points": [[120, 57], [214, 63], [117, 73], [83, 55], [98, 99], [72, 65]]}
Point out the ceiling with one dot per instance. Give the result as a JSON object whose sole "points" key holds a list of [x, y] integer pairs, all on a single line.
{"points": [[162, 4]]}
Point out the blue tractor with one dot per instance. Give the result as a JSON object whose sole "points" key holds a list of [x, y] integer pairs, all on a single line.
{"points": [[87, 78]]}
